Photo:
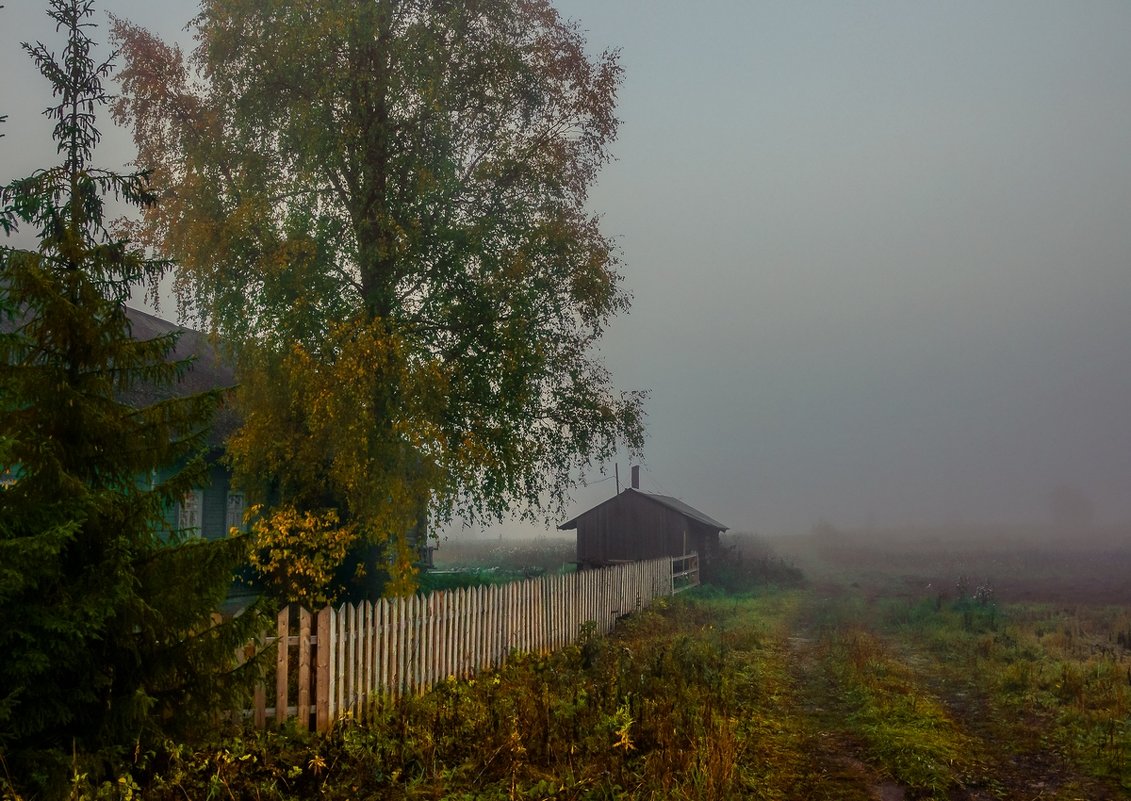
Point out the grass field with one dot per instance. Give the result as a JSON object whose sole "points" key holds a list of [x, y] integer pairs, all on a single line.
{"points": [[909, 665]]}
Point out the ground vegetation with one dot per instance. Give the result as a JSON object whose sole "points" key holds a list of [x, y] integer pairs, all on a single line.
{"points": [[850, 687]]}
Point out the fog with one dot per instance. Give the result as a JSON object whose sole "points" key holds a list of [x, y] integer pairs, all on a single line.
{"points": [[878, 251]]}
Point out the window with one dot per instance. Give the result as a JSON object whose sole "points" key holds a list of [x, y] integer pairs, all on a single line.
{"points": [[189, 512], [235, 512]]}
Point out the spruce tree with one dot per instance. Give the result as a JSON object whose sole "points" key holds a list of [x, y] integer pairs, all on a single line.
{"points": [[107, 634]]}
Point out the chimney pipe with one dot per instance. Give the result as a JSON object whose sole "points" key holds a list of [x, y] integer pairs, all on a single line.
{"points": [[636, 476]]}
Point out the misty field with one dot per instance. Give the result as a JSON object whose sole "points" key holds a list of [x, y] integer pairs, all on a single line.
{"points": [[899, 668]]}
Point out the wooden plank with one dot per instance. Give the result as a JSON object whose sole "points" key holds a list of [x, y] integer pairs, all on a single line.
{"points": [[519, 607], [546, 616], [488, 599], [479, 650], [449, 635], [371, 655], [259, 705], [394, 646], [506, 620], [563, 610], [512, 618], [323, 694], [340, 662], [571, 608], [537, 617], [412, 650], [546, 613], [523, 610], [533, 616], [427, 651], [466, 661], [419, 649], [378, 649], [438, 634], [459, 610], [358, 658], [402, 645], [383, 646], [362, 658], [354, 656], [367, 634], [494, 601], [282, 672], [349, 629], [303, 703], [465, 632], [436, 638]]}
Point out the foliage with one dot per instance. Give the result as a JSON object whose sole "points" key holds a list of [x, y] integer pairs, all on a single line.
{"points": [[298, 552], [382, 208], [107, 619]]}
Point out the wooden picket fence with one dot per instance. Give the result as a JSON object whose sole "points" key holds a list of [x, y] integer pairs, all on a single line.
{"points": [[334, 663]]}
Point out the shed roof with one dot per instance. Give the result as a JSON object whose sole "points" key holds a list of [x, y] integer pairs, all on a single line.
{"points": [[674, 504]]}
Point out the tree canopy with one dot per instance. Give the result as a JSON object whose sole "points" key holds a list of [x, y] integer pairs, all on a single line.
{"points": [[107, 613], [381, 207]]}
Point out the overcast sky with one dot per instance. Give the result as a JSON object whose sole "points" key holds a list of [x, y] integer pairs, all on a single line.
{"points": [[880, 251]]}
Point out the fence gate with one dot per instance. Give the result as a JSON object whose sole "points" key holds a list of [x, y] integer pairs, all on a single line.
{"points": [[685, 572]]}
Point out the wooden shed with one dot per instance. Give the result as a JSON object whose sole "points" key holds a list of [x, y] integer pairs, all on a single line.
{"points": [[637, 525]]}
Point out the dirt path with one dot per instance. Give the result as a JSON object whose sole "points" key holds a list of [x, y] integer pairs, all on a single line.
{"points": [[835, 750], [1000, 759]]}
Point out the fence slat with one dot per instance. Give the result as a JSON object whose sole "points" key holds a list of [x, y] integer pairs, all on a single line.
{"points": [[282, 672], [323, 711], [303, 701]]}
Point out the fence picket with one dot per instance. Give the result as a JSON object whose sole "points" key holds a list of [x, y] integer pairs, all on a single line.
{"points": [[302, 704], [322, 715], [282, 652]]}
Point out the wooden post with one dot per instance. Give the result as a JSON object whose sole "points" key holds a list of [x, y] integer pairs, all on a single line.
{"points": [[282, 673], [417, 636], [489, 599], [324, 674], [303, 668], [402, 642], [449, 634], [349, 629], [432, 650], [371, 654], [383, 645], [340, 662], [259, 694]]}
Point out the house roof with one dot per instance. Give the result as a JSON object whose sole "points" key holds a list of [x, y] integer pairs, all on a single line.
{"points": [[674, 504], [209, 369]]}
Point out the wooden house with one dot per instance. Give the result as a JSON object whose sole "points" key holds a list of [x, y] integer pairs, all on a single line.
{"points": [[217, 507], [636, 525], [211, 511]]}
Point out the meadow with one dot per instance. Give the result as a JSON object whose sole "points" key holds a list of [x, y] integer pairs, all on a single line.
{"points": [[968, 665]]}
